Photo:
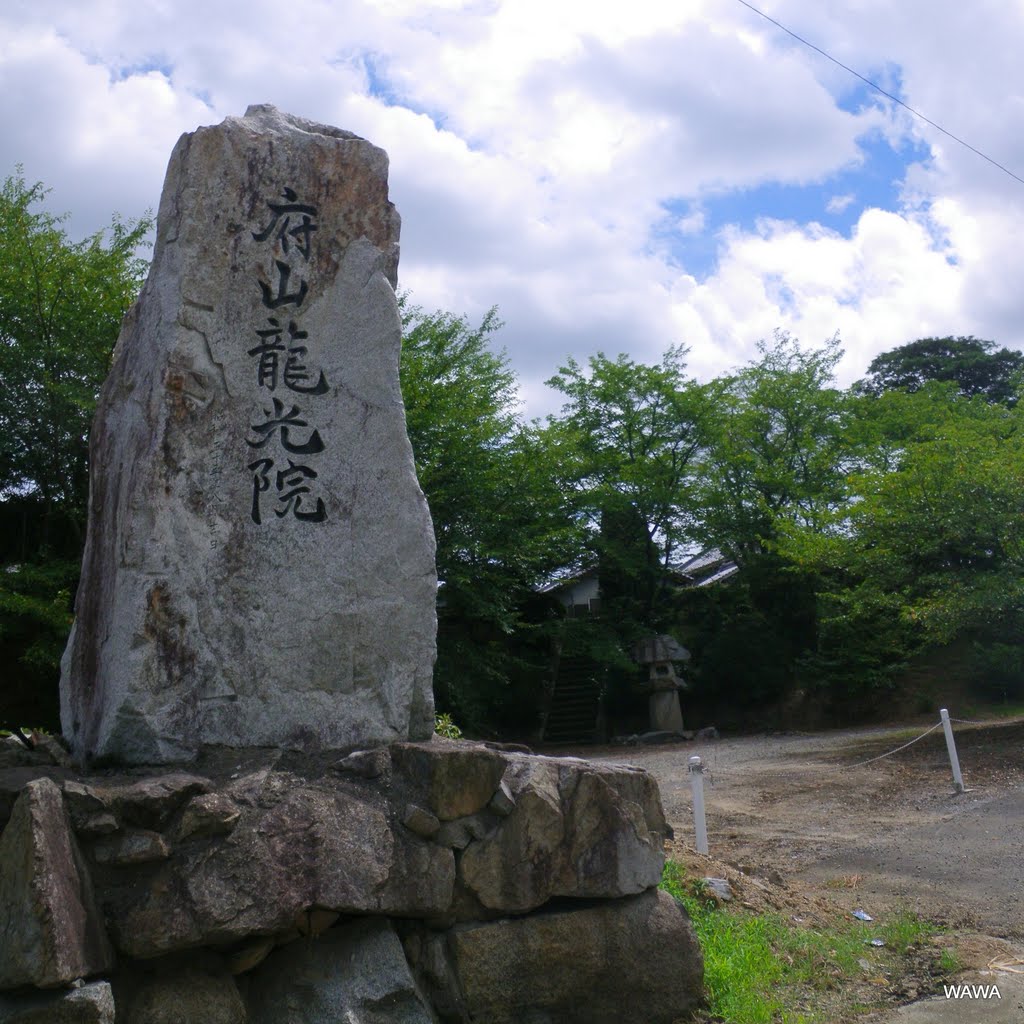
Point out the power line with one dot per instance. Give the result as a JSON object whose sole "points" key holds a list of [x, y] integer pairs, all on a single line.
{"points": [[878, 88]]}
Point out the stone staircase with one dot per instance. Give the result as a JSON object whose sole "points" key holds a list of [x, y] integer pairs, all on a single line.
{"points": [[575, 714]]}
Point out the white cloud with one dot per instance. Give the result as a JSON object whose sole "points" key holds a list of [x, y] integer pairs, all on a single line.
{"points": [[534, 147], [692, 223], [837, 204]]}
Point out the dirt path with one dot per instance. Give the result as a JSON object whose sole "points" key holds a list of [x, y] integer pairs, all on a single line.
{"points": [[882, 836]]}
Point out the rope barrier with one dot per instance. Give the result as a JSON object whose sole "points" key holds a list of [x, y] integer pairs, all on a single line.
{"points": [[870, 760], [712, 772], [699, 772]]}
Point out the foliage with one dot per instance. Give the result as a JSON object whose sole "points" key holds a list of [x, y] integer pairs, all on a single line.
{"points": [[631, 434], [740, 665], [939, 523], [762, 969], [35, 617], [629, 437], [974, 366], [928, 547], [777, 458], [61, 305], [779, 452], [498, 514], [444, 726]]}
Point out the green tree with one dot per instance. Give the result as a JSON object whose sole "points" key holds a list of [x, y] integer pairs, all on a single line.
{"points": [[929, 547], [779, 451], [631, 435], [499, 515], [942, 528], [777, 460], [975, 366], [61, 306]]}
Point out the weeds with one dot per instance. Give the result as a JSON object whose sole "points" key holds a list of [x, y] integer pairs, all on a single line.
{"points": [[762, 969]]}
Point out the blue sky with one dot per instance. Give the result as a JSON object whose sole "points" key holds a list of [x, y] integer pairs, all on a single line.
{"points": [[614, 177], [837, 203]]}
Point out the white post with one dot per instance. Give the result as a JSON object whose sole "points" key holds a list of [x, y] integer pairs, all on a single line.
{"points": [[695, 766], [958, 779]]}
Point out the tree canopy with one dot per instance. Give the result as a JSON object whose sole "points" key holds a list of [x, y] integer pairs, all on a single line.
{"points": [[976, 367], [869, 524], [61, 306], [498, 510]]}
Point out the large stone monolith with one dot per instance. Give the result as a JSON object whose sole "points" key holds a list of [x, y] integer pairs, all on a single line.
{"points": [[259, 567]]}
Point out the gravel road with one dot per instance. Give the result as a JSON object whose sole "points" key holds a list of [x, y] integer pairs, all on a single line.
{"points": [[880, 836]]}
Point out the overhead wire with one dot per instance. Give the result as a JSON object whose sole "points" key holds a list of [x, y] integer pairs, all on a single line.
{"points": [[878, 88]]}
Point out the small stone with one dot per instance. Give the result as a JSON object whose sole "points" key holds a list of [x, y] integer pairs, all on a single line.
{"points": [[503, 802], [102, 824], [454, 834], [137, 847], [83, 802], [149, 803], [420, 821], [460, 777], [251, 954], [209, 814], [479, 825], [52, 748], [720, 887], [366, 764], [87, 1004]]}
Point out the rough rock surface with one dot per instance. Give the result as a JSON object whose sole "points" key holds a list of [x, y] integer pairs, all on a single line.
{"points": [[50, 933], [259, 568], [89, 1004], [298, 845], [359, 973], [273, 880], [575, 830], [630, 961], [185, 995]]}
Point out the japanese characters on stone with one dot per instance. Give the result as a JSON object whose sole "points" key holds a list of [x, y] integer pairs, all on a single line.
{"points": [[286, 471]]}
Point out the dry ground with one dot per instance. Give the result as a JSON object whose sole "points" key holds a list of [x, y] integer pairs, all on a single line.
{"points": [[800, 827]]}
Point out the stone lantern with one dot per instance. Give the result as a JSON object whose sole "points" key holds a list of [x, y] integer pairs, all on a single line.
{"points": [[660, 654]]}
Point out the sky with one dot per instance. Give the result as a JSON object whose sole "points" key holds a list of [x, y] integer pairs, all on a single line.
{"points": [[614, 177]]}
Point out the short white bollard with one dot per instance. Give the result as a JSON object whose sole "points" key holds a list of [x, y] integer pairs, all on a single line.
{"points": [[958, 779], [695, 766]]}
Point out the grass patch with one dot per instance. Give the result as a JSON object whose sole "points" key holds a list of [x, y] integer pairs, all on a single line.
{"points": [[1014, 709], [764, 969]]}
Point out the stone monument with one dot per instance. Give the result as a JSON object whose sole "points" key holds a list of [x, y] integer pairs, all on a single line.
{"points": [[660, 654], [258, 590], [259, 569]]}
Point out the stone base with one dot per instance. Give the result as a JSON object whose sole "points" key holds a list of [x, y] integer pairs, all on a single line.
{"points": [[666, 712], [417, 882]]}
